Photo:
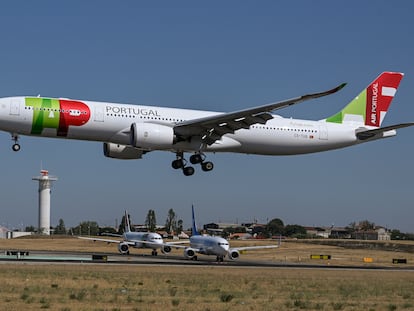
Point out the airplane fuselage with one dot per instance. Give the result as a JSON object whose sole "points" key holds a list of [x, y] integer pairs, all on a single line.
{"points": [[139, 237], [111, 122], [129, 131], [210, 245]]}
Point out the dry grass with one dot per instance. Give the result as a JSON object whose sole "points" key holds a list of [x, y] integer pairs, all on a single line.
{"points": [[134, 287], [108, 287]]}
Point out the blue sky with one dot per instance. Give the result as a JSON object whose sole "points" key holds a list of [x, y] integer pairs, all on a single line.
{"points": [[215, 55]]}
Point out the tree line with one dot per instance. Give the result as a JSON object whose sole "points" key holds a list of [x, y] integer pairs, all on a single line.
{"points": [[174, 226]]}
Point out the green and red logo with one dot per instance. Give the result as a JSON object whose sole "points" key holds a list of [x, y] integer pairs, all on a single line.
{"points": [[372, 104], [57, 114]]}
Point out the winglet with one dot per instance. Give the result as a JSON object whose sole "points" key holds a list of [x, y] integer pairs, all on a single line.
{"points": [[320, 94], [194, 228]]}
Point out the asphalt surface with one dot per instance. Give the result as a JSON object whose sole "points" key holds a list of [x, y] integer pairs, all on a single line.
{"points": [[62, 257]]}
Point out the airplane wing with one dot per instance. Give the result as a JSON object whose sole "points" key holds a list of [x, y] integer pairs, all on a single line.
{"points": [[196, 249], [177, 242], [132, 242], [212, 128], [112, 234], [363, 134], [105, 240], [178, 246], [247, 248]]}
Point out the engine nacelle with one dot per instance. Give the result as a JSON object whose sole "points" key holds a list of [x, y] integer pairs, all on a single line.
{"points": [[151, 136], [234, 254], [123, 248], [123, 152], [166, 249], [189, 253]]}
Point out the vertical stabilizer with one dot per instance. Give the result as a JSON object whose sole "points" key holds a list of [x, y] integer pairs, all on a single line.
{"points": [[127, 226], [194, 228], [371, 105]]}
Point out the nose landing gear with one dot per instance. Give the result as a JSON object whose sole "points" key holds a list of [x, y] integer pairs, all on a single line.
{"points": [[15, 146]]}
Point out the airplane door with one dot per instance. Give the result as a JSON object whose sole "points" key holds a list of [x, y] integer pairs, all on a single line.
{"points": [[323, 133], [15, 107], [99, 113]]}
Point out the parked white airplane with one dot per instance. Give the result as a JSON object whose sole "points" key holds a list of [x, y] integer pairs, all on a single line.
{"points": [[214, 245], [149, 240], [129, 131]]}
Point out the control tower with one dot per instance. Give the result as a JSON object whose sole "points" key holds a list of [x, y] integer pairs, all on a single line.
{"points": [[45, 183]]}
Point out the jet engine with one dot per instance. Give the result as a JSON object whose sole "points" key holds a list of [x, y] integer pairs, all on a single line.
{"points": [[121, 151], [123, 248], [189, 253], [234, 254], [150, 136], [166, 249]]}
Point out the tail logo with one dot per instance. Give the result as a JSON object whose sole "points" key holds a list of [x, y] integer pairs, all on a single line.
{"points": [[371, 105], [374, 103], [381, 92]]}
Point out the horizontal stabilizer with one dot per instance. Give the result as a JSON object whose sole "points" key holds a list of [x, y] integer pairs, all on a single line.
{"points": [[366, 134]]}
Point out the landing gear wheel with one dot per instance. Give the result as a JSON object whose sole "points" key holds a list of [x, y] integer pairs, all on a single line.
{"points": [[154, 253], [207, 166], [196, 158], [16, 147], [176, 164], [188, 170]]}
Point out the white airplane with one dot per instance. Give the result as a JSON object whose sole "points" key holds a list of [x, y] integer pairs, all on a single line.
{"points": [[214, 245], [130, 131], [149, 240]]}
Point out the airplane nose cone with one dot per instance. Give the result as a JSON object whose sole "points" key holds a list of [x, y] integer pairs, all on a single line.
{"points": [[225, 248]]}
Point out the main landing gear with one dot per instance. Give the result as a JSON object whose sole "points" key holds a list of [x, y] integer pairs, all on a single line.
{"points": [[220, 258], [197, 158], [16, 146]]}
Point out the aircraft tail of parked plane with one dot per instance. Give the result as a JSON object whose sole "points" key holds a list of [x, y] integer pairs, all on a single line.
{"points": [[131, 131], [194, 230], [127, 223]]}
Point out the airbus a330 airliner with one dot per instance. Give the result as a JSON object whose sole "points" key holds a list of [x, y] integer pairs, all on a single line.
{"points": [[130, 131]]}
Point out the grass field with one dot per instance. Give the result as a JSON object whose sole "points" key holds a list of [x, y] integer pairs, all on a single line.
{"points": [[134, 287]]}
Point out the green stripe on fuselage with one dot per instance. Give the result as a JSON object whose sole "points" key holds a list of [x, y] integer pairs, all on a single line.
{"points": [[45, 113]]}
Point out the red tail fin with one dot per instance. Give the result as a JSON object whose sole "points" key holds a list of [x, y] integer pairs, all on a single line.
{"points": [[379, 96]]}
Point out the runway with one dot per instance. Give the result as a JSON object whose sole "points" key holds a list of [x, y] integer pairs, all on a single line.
{"points": [[65, 257]]}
